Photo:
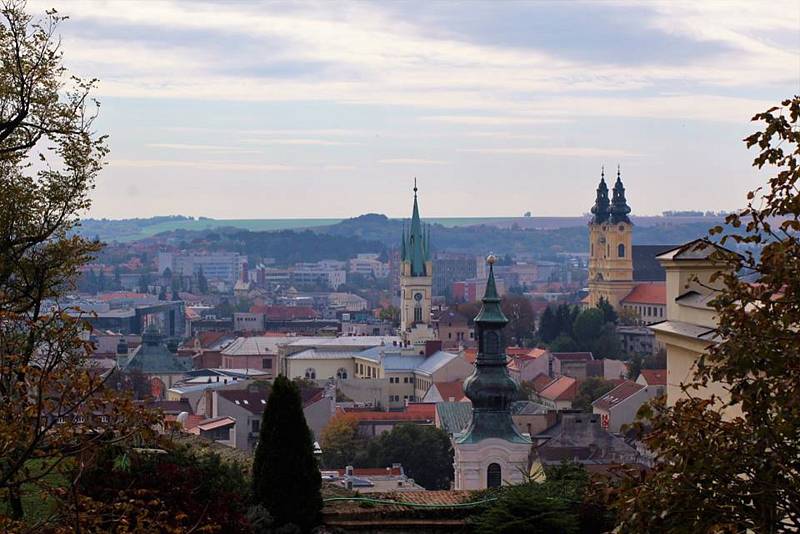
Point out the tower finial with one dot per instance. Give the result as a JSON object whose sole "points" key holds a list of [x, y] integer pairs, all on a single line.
{"points": [[415, 186], [618, 171], [602, 172]]}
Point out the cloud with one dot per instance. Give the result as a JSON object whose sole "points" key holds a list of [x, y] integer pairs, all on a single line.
{"points": [[411, 161], [319, 142], [204, 148], [233, 166], [579, 152]]}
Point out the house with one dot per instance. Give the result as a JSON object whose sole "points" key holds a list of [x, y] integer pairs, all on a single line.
{"points": [[656, 378], [639, 340], [690, 325], [373, 423], [446, 392], [570, 364], [205, 348], [246, 407], [647, 301], [254, 352], [559, 393], [219, 429], [607, 369], [371, 479], [579, 438], [525, 364], [619, 406], [439, 367], [454, 330]]}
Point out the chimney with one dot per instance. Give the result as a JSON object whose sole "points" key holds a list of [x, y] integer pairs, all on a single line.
{"points": [[432, 347], [348, 470]]}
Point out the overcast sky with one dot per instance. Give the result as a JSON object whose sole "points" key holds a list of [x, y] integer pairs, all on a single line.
{"points": [[272, 110]]}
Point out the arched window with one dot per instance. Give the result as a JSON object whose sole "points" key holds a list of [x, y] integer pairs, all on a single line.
{"points": [[341, 374], [493, 476], [417, 314], [621, 250], [311, 373]]}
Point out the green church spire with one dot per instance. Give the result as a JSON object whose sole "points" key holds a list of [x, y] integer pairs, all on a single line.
{"points": [[415, 250], [619, 206], [489, 387], [600, 210]]}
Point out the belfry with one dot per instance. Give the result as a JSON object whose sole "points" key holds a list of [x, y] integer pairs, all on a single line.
{"points": [[610, 246], [491, 451], [416, 281]]}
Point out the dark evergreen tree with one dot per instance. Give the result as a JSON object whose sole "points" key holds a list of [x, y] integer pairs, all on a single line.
{"points": [[202, 282], [286, 479], [425, 452], [548, 325], [609, 313]]}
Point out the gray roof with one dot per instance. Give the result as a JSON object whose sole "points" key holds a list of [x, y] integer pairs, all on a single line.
{"points": [[396, 362], [255, 346], [156, 360], [314, 354], [680, 328], [454, 417], [528, 408], [579, 438], [345, 341], [646, 268], [435, 361]]}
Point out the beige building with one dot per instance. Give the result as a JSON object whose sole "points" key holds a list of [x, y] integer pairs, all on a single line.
{"points": [[610, 247], [690, 325]]}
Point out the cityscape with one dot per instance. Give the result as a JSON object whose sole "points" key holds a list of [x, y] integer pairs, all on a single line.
{"points": [[457, 344]]}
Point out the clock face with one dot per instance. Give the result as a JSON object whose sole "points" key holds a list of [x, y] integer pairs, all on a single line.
{"points": [[418, 297]]}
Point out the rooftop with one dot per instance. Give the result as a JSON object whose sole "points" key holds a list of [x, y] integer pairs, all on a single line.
{"points": [[654, 377], [255, 345], [562, 388], [618, 395], [654, 293]]}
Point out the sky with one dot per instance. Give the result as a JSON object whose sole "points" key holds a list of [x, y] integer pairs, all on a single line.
{"points": [[282, 110]]}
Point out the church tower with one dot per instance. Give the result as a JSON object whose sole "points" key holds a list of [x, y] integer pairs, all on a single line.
{"points": [[610, 246], [491, 451], [416, 281]]}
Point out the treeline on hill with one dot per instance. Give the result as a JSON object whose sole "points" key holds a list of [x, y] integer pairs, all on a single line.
{"points": [[376, 233], [565, 328]]}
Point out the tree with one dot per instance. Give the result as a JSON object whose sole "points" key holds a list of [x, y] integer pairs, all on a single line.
{"points": [[589, 391], [202, 282], [340, 442], [48, 392], [559, 504], [717, 472], [522, 320], [548, 325], [609, 314], [587, 327], [424, 451], [563, 343], [286, 479]]}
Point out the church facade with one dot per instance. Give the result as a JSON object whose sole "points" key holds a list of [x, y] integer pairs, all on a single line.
{"points": [[416, 281], [491, 451], [610, 246]]}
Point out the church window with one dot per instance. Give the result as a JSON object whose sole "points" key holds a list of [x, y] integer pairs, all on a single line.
{"points": [[418, 314], [341, 374], [493, 476], [311, 373], [621, 250]]}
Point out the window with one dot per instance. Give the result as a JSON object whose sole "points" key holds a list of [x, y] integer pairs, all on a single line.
{"points": [[491, 343], [405, 380], [621, 250], [255, 425], [311, 373], [449, 335], [266, 363], [341, 374], [493, 476], [417, 314]]}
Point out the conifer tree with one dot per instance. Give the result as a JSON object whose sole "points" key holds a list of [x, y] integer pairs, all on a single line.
{"points": [[286, 479]]}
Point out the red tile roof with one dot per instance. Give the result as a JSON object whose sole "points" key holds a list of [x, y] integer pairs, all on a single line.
{"points": [[207, 339], [450, 390], [617, 395], [470, 355], [562, 388], [654, 293], [413, 412], [655, 377], [540, 382]]}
